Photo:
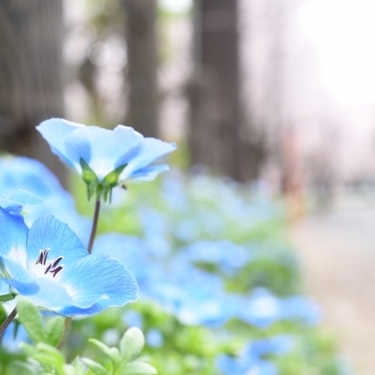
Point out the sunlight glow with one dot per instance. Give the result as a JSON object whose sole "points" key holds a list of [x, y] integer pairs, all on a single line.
{"points": [[343, 32]]}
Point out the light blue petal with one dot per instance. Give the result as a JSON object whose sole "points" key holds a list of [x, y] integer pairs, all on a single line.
{"points": [[103, 149], [149, 150], [149, 173], [50, 294], [14, 204], [55, 131], [98, 280], [48, 232], [31, 175], [22, 280], [13, 233], [10, 207], [24, 197]]}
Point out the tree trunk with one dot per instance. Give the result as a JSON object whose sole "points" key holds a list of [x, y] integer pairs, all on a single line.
{"points": [[31, 87], [142, 66], [219, 136]]}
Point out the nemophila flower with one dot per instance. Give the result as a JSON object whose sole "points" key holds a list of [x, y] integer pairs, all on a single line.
{"points": [[50, 266], [31, 188], [105, 158]]}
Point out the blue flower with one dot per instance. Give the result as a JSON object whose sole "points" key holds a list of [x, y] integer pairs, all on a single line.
{"points": [[33, 190], [105, 158], [49, 265]]}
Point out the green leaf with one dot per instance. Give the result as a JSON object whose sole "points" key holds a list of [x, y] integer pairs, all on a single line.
{"points": [[113, 353], [138, 368], [95, 367], [54, 330], [48, 357], [7, 297], [31, 319], [131, 344], [75, 368]]}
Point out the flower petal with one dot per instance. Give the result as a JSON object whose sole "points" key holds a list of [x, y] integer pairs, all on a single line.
{"points": [[55, 131], [50, 295], [49, 233], [13, 233], [21, 279], [149, 150], [97, 282], [102, 149], [149, 173]]}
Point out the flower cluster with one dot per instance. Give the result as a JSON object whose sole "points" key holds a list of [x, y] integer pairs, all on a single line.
{"points": [[45, 260]]}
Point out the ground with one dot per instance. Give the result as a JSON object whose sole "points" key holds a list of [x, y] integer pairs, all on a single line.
{"points": [[337, 248]]}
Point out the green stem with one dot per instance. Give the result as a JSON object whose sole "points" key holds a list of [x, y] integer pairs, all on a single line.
{"points": [[7, 321], [94, 226]]}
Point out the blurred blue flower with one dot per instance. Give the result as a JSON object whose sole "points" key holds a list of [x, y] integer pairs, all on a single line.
{"points": [[133, 319], [13, 336], [245, 366], [226, 255], [128, 250], [279, 345], [105, 158], [262, 309], [44, 194], [154, 338], [49, 265], [300, 308]]}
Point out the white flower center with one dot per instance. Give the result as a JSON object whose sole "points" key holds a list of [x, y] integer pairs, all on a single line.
{"points": [[50, 268]]}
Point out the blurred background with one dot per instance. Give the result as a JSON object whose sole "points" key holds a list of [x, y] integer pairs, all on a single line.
{"points": [[276, 93]]}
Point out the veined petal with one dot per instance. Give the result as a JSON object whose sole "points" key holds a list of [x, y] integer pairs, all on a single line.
{"points": [[24, 197], [55, 131], [102, 149], [149, 173], [149, 150], [49, 233], [13, 233], [98, 280]]}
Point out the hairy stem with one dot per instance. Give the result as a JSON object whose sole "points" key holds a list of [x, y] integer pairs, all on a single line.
{"points": [[7, 321], [94, 226]]}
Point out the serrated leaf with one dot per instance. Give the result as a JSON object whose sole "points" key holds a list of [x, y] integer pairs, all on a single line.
{"points": [[54, 330], [138, 368], [95, 367], [113, 353], [31, 319], [131, 344]]}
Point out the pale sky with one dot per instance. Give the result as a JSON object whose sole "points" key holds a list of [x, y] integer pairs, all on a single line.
{"points": [[343, 32]]}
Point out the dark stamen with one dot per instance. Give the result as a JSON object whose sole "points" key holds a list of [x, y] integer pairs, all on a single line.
{"points": [[48, 268], [43, 256], [56, 262], [56, 270]]}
